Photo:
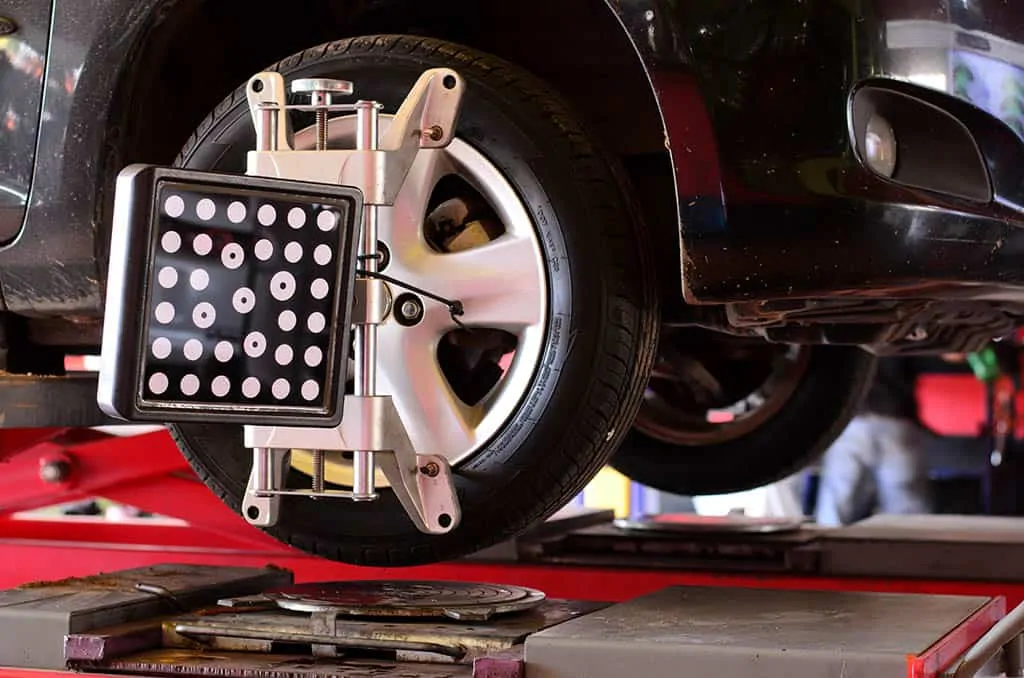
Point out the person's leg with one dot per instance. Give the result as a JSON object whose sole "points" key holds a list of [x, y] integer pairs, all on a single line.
{"points": [[846, 491], [902, 471], [783, 499]]}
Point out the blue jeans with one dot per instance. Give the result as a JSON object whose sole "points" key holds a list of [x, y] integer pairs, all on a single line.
{"points": [[877, 465]]}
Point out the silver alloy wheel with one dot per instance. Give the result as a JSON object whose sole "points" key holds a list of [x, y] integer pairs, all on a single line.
{"points": [[502, 284]]}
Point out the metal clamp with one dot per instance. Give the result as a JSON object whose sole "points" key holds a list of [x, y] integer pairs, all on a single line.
{"points": [[422, 482], [425, 120], [371, 427]]}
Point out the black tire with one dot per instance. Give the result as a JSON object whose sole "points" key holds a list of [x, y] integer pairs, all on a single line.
{"points": [[817, 411], [603, 310]]}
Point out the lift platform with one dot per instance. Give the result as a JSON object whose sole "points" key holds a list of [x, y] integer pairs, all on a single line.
{"points": [[581, 592], [186, 620]]}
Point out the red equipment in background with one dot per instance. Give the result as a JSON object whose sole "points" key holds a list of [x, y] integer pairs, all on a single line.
{"points": [[44, 467]]}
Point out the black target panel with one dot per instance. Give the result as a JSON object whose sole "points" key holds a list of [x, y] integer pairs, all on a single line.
{"points": [[229, 299]]}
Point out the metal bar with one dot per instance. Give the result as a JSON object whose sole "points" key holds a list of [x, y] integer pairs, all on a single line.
{"points": [[1005, 630], [29, 401], [263, 464], [363, 464]]}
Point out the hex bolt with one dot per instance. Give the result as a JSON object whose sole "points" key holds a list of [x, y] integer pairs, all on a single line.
{"points": [[408, 309], [55, 471], [321, 93], [430, 469]]}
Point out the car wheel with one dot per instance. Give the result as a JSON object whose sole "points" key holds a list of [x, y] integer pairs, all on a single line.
{"points": [[536, 230], [725, 414]]}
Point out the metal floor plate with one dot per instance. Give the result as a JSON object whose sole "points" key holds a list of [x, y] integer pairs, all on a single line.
{"points": [[725, 632], [458, 641], [457, 600]]}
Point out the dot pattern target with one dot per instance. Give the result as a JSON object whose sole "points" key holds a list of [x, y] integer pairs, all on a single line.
{"points": [[237, 305]]}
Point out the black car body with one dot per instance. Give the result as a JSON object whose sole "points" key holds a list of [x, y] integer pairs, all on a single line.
{"points": [[738, 120]]}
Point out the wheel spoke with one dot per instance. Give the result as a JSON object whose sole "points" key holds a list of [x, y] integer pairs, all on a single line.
{"points": [[436, 420], [500, 284], [402, 225]]}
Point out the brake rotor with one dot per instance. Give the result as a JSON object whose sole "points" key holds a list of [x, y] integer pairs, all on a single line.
{"points": [[373, 598]]}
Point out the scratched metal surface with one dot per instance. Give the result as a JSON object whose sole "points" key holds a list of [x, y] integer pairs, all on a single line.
{"points": [[462, 641], [34, 619], [744, 632], [177, 662]]}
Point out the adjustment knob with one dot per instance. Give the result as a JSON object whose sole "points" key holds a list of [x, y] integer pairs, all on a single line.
{"points": [[322, 90]]}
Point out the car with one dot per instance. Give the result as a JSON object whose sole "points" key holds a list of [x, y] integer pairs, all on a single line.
{"points": [[680, 232]]}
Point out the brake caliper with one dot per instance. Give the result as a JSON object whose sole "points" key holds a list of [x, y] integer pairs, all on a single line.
{"points": [[235, 326]]}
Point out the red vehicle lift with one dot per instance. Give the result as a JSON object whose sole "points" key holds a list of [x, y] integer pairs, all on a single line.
{"points": [[47, 467]]}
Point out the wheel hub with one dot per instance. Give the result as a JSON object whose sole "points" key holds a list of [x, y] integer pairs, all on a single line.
{"points": [[705, 391], [458, 203]]}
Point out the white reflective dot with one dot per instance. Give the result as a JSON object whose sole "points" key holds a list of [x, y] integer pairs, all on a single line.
{"points": [[199, 279], [284, 354], [286, 321], [313, 356], [220, 386], [316, 322], [203, 315], [171, 242], [174, 206], [164, 312], [296, 217], [282, 286], [161, 347], [264, 249], [319, 288], [236, 212], [280, 388], [310, 389], [167, 277], [293, 252], [193, 349], [322, 254], [202, 244], [190, 384], [205, 209], [158, 382], [326, 220], [266, 215], [232, 256], [251, 387], [254, 344], [223, 351], [244, 300]]}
